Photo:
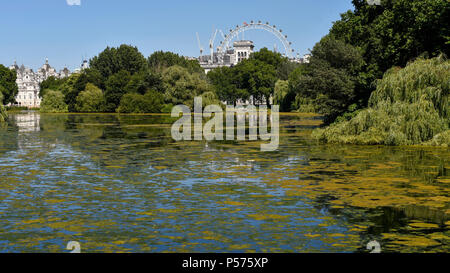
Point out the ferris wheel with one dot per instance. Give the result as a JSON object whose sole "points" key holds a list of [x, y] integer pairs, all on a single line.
{"points": [[225, 44]]}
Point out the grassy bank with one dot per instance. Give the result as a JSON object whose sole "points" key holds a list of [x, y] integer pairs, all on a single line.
{"points": [[409, 107]]}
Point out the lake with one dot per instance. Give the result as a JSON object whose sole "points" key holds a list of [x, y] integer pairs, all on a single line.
{"points": [[119, 183]]}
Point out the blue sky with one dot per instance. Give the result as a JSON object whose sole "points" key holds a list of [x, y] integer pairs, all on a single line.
{"points": [[35, 29]]}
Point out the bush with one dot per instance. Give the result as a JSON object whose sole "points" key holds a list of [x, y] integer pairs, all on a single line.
{"points": [[329, 84], [3, 115], [53, 102], [410, 106], [167, 108], [280, 94], [90, 100], [151, 102]]}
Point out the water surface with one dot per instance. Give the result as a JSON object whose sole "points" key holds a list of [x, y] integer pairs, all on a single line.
{"points": [[121, 184]]}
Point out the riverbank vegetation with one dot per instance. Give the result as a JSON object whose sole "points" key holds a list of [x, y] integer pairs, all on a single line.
{"points": [[3, 114], [8, 90], [409, 106], [122, 80]]}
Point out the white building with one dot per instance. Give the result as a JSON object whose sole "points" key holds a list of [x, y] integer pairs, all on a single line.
{"points": [[28, 82], [242, 51], [84, 65]]}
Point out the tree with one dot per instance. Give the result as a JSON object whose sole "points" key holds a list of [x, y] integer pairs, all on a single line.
{"points": [[52, 83], [410, 106], [72, 87], [53, 102], [115, 89], [3, 114], [143, 81], [95, 77], [393, 33], [181, 86], [257, 77], [90, 100], [280, 96], [8, 86], [151, 102], [161, 60], [268, 57], [226, 85], [329, 82], [113, 60], [254, 77]]}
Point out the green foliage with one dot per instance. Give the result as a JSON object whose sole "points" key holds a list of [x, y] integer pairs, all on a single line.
{"points": [[161, 60], [181, 86], [53, 102], [256, 77], [421, 80], [3, 114], [210, 98], [90, 100], [393, 33], [143, 81], [52, 83], [8, 86], [305, 105], [409, 106], [268, 57], [226, 85], [286, 68], [95, 77], [151, 102], [14, 108], [280, 95], [253, 77], [112, 60], [442, 139], [328, 84], [338, 54], [167, 108], [115, 89]]}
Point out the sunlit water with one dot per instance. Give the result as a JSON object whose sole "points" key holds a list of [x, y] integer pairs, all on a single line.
{"points": [[121, 184]]}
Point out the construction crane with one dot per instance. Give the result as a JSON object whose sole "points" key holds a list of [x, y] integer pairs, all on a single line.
{"points": [[199, 44], [211, 45]]}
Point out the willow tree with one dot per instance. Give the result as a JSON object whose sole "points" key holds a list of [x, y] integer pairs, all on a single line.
{"points": [[410, 106]]}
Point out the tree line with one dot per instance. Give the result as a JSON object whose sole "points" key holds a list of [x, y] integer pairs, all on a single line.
{"points": [[122, 80], [343, 71]]}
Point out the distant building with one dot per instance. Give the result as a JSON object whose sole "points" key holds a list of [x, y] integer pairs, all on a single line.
{"points": [[306, 58], [84, 65], [28, 82], [241, 50]]}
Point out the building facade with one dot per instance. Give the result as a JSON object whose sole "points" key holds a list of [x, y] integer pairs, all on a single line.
{"points": [[28, 82], [241, 50]]}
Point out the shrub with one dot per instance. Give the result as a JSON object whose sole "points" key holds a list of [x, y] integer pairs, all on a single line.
{"points": [[151, 102], [3, 115], [53, 102], [90, 100]]}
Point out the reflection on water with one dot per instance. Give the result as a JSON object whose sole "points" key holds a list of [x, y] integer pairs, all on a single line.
{"points": [[120, 183]]}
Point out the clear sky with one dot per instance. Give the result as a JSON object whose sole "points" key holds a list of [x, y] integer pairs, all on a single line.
{"points": [[65, 31]]}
